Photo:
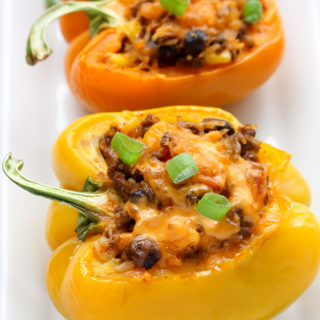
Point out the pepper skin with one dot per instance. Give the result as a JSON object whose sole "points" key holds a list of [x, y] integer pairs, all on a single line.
{"points": [[267, 275], [101, 86]]}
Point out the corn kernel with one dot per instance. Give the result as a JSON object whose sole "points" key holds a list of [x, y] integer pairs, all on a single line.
{"points": [[119, 59], [218, 58]]}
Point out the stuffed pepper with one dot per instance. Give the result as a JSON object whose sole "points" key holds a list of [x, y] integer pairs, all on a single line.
{"points": [[148, 54], [183, 214]]}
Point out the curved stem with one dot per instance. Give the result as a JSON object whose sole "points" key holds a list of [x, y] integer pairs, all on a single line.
{"points": [[89, 203], [50, 3], [37, 47]]}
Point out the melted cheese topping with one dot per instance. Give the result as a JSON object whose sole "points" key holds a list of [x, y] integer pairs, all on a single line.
{"points": [[178, 227]]}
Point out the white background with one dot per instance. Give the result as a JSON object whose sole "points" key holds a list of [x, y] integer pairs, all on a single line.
{"points": [[35, 105]]}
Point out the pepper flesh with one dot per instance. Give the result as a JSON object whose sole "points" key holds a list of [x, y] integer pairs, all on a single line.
{"points": [[256, 284]]}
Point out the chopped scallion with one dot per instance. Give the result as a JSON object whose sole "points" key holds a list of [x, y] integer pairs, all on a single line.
{"points": [[128, 149], [181, 167], [176, 7], [252, 11], [213, 206]]}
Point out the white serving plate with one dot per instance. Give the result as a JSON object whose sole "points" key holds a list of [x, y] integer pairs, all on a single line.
{"points": [[36, 105]]}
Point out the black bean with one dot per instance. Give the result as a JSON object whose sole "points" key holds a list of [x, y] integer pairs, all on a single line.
{"points": [[135, 196], [226, 125], [195, 42], [144, 252], [167, 56], [143, 190], [207, 125]]}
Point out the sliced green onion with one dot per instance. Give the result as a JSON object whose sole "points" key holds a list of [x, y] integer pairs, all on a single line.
{"points": [[176, 7], [252, 11], [128, 149], [181, 167], [213, 206]]}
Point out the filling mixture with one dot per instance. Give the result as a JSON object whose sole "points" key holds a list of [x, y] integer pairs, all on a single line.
{"points": [[208, 33], [179, 192]]}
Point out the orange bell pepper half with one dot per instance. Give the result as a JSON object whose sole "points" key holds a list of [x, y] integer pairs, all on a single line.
{"points": [[101, 84], [255, 281]]}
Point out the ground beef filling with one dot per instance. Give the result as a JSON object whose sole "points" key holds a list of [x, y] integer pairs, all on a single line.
{"points": [[155, 222], [209, 33]]}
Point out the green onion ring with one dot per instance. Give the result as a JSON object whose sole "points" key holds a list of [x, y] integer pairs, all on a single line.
{"points": [[181, 167], [176, 7], [213, 206], [252, 11], [128, 149]]}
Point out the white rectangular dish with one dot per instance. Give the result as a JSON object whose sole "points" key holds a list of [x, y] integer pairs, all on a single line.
{"points": [[36, 104]]}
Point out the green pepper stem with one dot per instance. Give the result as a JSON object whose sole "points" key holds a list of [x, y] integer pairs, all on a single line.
{"points": [[89, 203], [50, 3], [37, 47]]}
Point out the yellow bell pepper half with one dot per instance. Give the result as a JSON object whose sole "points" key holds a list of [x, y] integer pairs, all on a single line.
{"points": [[262, 279]]}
